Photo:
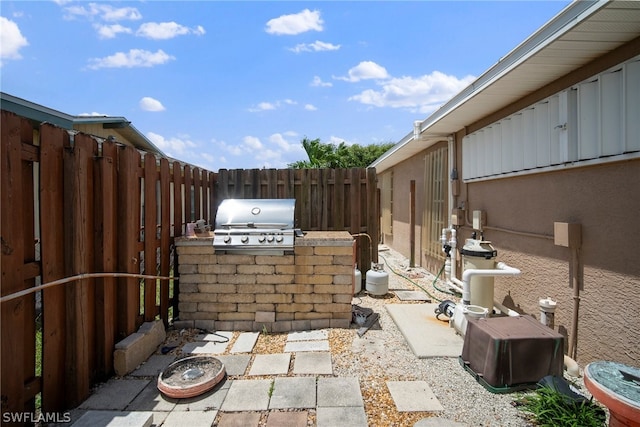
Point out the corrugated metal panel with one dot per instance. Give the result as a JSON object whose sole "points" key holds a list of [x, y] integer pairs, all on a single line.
{"points": [[588, 129], [611, 111]]}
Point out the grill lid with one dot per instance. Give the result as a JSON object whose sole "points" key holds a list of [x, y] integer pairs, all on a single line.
{"points": [[256, 214]]}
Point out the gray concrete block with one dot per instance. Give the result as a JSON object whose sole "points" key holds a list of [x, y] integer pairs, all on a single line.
{"points": [[293, 392], [207, 401], [205, 347], [235, 364], [308, 335], [245, 342], [299, 346], [247, 395], [190, 418], [137, 347], [339, 392], [114, 419], [348, 416], [150, 399], [183, 324], [205, 324], [115, 394], [306, 363], [413, 396], [270, 364], [153, 366]]}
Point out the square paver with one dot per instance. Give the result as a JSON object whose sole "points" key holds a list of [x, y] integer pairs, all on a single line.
{"points": [[205, 347], [235, 364], [244, 419], [316, 335], [208, 401], [349, 416], [293, 392], [153, 366], [339, 392], [115, 394], [289, 419], [217, 336], [150, 399], [115, 419], [313, 363], [245, 342], [191, 418], [295, 346], [413, 396], [247, 395], [270, 364]]}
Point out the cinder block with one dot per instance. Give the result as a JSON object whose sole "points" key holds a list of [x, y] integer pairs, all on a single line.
{"points": [[188, 268], [137, 347], [275, 259], [340, 323], [206, 325], [183, 324], [343, 260], [333, 269], [294, 289], [187, 307], [343, 279], [320, 323], [275, 278], [315, 279], [300, 325], [281, 326], [334, 250], [256, 269]]}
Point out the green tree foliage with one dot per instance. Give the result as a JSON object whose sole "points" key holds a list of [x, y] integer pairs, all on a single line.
{"points": [[338, 156]]}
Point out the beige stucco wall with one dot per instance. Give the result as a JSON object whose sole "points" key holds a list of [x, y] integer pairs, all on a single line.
{"points": [[604, 200]]}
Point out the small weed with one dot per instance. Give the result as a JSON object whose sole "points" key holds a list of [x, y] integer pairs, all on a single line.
{"points": [[272, 387], [550, 408]]}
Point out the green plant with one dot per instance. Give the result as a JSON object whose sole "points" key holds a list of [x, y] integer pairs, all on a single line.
{"points": [[272, 387], [550, 408]]}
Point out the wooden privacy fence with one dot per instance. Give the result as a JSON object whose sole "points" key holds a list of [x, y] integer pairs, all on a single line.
{"points": [[88, 207], [326, 200], [71, 205]]}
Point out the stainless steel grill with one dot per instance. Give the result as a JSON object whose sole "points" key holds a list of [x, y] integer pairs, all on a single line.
{"points": [[255, 226]]}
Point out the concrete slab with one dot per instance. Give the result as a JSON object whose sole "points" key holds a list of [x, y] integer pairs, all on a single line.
{"points": [[204, 347], [208, 401], [413, 396], [115, 394], [339, 392], [247, 395], [295, 346], [270, 364], [425, 335], [313, 363], [321, 334], [412, 296], [245, 342], [150, 399], [293, 392], [115, 419], [191, 418], [235, 364], [153, 366], [349, 416], [289, 419], [246, 419]]}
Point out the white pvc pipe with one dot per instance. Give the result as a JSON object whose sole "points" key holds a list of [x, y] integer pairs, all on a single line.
{"points": [[505, 310], [501, 269]]}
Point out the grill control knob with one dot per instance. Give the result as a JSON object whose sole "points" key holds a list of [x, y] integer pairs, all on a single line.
{"points": [[245, 239], [262, 238], [279, 238], [227, 239], [270, 239]]}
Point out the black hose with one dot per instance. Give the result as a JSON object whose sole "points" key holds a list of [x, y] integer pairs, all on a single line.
{"points": [[413, 282]]}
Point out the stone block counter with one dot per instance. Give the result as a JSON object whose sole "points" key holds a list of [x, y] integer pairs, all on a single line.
{"points": [[310, 288]]}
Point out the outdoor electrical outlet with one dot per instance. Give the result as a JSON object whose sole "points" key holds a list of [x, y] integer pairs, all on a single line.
{"points": [[479, 219]]}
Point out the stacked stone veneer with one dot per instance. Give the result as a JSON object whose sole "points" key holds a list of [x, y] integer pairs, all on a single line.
{"points": [[311, 288]]}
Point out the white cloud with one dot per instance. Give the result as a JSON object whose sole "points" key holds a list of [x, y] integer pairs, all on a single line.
{"points": [[424, 94], [11, 40], [295, 23], [317, 82], [93, 114], [316, 46], [111, 31], [103, 11], [149, 104], [173, 147], [252, 143], [132, 59], [310, 107], [364, 71], [166, 30], [266, 106]]}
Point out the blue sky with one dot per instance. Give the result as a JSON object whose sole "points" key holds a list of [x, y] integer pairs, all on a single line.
{"points": [[237, 84]]}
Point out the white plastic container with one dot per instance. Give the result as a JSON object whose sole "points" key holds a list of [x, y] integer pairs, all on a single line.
{"points": [[377, 280], [479, 254], [462, 313]]}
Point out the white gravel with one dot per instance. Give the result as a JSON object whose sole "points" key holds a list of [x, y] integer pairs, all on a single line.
{"points": [[383, 355]]}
